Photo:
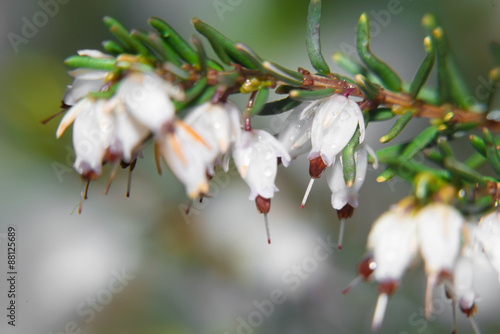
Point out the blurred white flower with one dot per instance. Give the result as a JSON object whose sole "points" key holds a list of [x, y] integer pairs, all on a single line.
{"points": [[488, 234], [463, 282], [146, 97], [439, 234], [187, 155], [392, 241], [219, 125], [92, 131]]}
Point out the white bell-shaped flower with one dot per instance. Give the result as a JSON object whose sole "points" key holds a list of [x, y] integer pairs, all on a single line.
{"points": [[335, 121], [439, 234], [146, 97], [344, 198], [255, 155], [122, 135], [85, 80], [128, 136], [463, 282], [187, 155], [488, 234], [341, 193], [218, 124], [393, 244], [92, 134], [295, 133]]}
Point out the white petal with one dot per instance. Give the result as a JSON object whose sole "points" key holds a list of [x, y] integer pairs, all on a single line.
{"points": [[70, 115], [88, 140], [361, 120], [295, 133], [255, 156], [184, 157], [393, 243], [88, 74], [488, 234], [80, 88], [129, 134], [94, 54], [341, 193], [439, 232], [145, 97], [333, 126]]}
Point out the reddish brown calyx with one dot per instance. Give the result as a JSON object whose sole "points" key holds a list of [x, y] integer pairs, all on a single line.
{"points": [[316, 167], [90, 176], [263, 204], [346, 212], [387, 286], [366, 267]]}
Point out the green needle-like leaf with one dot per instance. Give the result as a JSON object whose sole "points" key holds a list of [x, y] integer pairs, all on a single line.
{"points": [[251, 55], [369, 89], [89, 62], [224, 47], [478, 144], [175, 41], [420, 142], [192, 93], [388, 77], [112, 47], [164, 49], [202, 56], [308, 95], [119, 31], [283, 74], [445, 147], [381, 114], [349, 64], [259, 101], [491, 151], [348, 161], [313, 42], [452, 83], [386, 175], [424, 69], [462, 172], [398, 126], [278, 107]]}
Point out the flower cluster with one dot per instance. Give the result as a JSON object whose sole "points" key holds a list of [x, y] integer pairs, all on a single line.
{"points": [[449, 248], [139, 108], [157, 88]]}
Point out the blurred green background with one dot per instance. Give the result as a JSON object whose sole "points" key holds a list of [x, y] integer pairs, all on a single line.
{"points": [[209, 271]]}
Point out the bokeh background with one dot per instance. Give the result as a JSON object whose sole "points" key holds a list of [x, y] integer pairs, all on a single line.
{"points": [[205, 272]]}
